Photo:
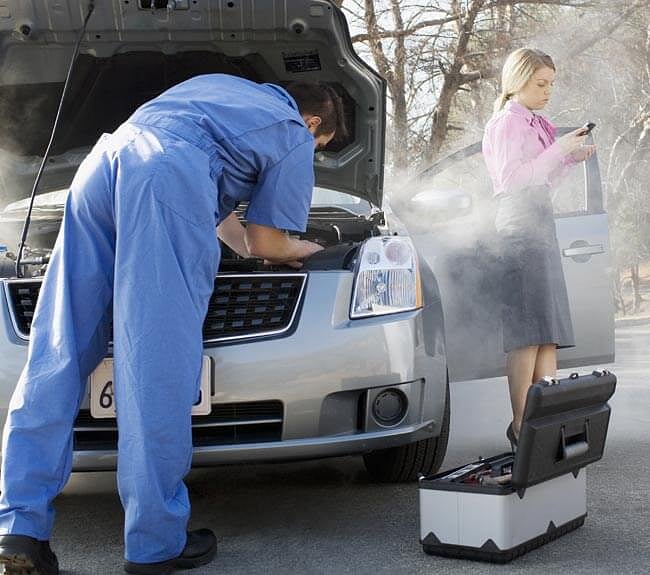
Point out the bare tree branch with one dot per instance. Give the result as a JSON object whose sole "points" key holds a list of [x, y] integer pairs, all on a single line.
{"points": [[376, 48], [403, 32], [453, 76], [608, 29], [399, 94], [568, 3]]}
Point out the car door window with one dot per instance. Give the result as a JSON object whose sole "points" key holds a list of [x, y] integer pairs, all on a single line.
{"points": [[568, 192], [579, 190]]}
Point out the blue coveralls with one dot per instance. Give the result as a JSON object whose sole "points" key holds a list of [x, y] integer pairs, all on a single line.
{"points": [[138, 244]]}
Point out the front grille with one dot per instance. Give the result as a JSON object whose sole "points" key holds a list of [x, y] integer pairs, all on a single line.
{"points": [[22, 301], [241, 306], [227, 424]]}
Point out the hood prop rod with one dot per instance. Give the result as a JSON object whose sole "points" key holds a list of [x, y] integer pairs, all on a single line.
{"points": [[23, 237]]}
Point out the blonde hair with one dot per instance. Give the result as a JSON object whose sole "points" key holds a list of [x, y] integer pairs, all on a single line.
{"points": [[518, 69]]}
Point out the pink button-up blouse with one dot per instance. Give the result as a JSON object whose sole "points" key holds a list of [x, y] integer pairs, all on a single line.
{"points": [[520, 150]]}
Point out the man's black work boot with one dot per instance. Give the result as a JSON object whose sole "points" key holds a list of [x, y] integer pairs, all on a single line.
{"points": [[22, 555], [200, 549]]}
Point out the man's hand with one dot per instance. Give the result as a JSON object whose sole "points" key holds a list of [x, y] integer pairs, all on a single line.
{"points": [[583, 153], [309, 248], [276, 246], [296, 264]]}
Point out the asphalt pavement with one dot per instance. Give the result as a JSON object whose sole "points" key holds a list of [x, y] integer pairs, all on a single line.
{"points": [[326, 517]]}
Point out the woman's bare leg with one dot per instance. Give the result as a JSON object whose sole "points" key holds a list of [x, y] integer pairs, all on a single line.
{"points": [[546, 362], [520, 367]]}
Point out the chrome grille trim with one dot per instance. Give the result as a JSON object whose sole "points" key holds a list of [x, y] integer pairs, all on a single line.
{"points": [[254, 276], [12, 313], [270, 333]]}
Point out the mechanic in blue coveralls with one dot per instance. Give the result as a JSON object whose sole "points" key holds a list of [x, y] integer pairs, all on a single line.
{"points": [[138, 245]]}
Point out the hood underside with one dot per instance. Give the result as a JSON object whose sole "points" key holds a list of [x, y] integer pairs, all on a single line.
{"points": [[134, 50]]}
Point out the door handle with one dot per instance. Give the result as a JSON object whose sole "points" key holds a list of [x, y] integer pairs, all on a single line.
{"points": [[581, 251]]}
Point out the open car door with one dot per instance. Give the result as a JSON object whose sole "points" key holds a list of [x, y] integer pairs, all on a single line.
{"points": [[462, 251]]}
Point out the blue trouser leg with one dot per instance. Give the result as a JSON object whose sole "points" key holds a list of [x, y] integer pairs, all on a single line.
{"points": [[139, 230], [166, 259], [69, 336]]}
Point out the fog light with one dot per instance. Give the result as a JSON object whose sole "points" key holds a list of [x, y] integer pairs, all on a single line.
{"points": [[389, 407]]}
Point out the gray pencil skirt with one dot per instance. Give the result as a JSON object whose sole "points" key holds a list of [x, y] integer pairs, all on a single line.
{"points": [[535, 302]]}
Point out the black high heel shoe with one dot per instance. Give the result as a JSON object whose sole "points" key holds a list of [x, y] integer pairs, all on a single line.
{"points": [[512, 438]]}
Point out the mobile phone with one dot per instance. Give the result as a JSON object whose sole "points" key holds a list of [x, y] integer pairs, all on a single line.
{"points": [[587, 128]]}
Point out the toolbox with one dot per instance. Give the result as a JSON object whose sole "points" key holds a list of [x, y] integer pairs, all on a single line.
{"points": [[498, 508]]}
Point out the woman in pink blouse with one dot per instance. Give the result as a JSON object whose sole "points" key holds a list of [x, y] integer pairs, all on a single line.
{"points": [[524, 158]]}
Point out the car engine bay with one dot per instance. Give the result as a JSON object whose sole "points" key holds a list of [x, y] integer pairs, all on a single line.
{"points": [[338, 230]]}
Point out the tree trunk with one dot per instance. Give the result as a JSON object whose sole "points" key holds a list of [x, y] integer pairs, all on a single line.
{"points": [[398, 91], [452, 79], [619, 300], [636, 287]]}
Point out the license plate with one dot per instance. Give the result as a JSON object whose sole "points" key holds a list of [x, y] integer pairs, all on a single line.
{"points": [[102, 399]]}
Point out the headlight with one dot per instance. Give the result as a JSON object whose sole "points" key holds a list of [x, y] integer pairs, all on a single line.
{"points": [[388, 278]]}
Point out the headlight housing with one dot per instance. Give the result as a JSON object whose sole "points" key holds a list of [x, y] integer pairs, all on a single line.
{"points": [[387, 279]]}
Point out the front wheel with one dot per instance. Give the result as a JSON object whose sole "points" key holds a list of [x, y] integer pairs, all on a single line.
{"points": [[407, 462]]}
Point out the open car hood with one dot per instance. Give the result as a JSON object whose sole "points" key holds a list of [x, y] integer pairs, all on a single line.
{"points": [[133, 51]]}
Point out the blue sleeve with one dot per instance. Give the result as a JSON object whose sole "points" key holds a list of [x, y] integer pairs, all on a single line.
{"points": [[282, 196]]}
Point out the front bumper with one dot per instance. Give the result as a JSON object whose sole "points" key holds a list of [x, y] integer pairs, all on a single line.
{"points": [[325, 374]]}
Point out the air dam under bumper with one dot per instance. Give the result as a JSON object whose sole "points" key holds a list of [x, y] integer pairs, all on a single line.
{"points": [[277, 451]]}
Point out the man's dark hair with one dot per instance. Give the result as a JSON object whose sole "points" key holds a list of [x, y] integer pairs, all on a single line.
{"points": [[318, 99]]}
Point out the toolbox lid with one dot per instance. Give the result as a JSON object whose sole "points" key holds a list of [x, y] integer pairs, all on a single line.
{"points": [[563, 428]]}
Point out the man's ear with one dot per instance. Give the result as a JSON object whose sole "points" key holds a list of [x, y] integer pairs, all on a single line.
{"points": [[313, 122]]}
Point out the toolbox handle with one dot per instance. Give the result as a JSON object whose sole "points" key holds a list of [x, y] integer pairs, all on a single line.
{"points": [[575, 445]]}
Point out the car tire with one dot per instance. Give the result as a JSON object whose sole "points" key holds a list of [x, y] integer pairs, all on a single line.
{"points": [[407, 462]]}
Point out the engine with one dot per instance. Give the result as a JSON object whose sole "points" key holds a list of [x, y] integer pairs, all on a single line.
{"points": [[338, 230]]}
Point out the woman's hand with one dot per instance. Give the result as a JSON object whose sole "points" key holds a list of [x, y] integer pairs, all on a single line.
{"points": [[583, 153], [571, 142]]}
